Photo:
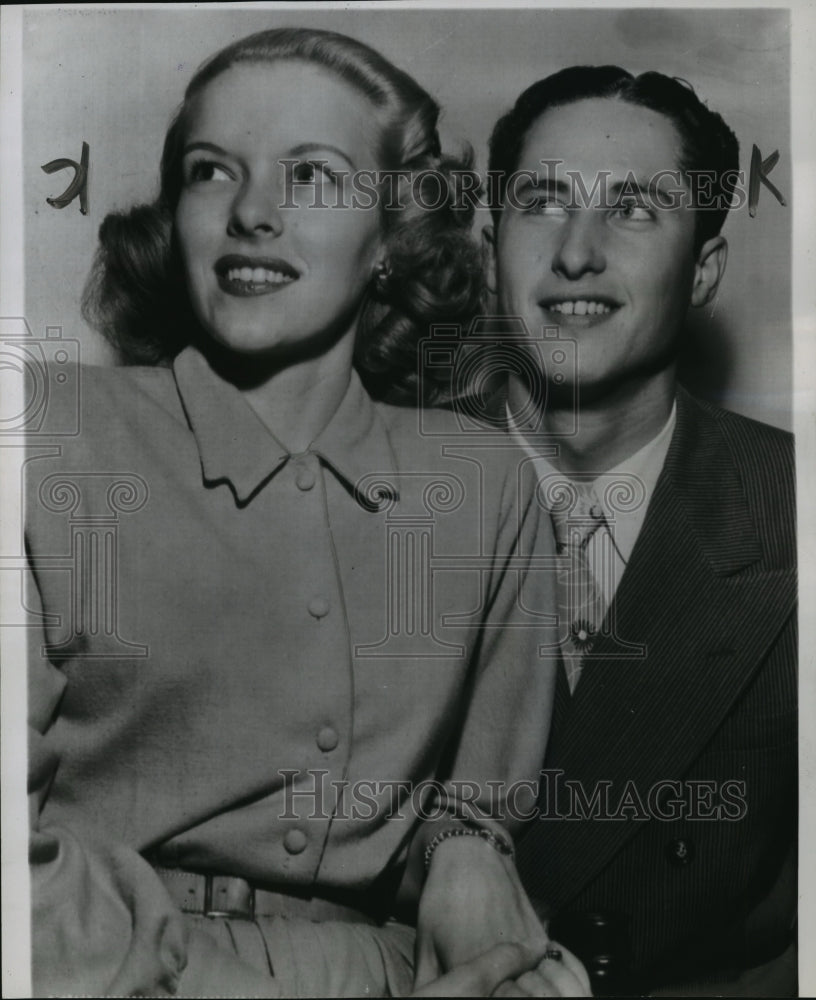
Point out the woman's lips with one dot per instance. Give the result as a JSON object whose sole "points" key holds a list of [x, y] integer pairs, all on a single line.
{"points": [[243, 276]]}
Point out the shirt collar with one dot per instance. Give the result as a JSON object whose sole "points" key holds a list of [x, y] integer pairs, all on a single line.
{"points": [[646, 463], [235, 446]]}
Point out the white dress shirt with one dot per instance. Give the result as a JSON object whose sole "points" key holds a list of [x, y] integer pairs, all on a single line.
{"points": [[609, 549]]}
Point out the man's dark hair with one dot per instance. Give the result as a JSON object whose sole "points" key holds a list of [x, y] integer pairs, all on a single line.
{"points": [[707, 144]]}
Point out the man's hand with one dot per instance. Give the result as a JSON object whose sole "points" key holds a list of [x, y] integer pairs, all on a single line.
{"points": [[506, 970], [473, 900], [482, 976]]}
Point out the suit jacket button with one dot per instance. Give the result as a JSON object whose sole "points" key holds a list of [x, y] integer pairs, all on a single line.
{"points": [[680, 852], [318, 607], [295, 841]]}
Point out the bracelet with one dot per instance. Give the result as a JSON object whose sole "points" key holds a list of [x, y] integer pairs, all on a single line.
{"points": [[495, 841]]}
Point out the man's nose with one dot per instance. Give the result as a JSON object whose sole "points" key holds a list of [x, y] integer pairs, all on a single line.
{"points": [[255, 210], [580, 249]]}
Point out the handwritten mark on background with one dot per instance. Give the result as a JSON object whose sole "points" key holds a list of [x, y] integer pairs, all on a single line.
{"points": [[759, 175], [78, 186]]}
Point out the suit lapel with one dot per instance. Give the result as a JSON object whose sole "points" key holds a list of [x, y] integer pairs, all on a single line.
{"points": [[692, 619]]}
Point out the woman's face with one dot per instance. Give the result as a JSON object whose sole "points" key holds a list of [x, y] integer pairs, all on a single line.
{"points": [[267, 271]]}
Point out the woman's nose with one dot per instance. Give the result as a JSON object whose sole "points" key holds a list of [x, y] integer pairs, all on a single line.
{"points": [[580, 249], [256, 210]]}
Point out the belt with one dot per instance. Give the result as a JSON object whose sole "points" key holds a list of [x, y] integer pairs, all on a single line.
{"points": [[229, 896]]}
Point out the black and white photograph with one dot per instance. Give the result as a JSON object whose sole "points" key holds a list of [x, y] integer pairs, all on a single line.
{"points": [[407, 435]]}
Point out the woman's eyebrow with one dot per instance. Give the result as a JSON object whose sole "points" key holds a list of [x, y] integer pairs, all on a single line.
{"points": [[211, 147], [303, 148]]}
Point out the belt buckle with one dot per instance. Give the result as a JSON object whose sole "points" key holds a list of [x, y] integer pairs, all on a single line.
{"points": [[228, 896]]}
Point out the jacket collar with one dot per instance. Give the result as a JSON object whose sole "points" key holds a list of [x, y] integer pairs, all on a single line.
{"points": [[698, 464], [236, 447]]}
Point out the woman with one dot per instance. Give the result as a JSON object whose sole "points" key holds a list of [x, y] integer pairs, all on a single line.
{"points": [[235, 701]]}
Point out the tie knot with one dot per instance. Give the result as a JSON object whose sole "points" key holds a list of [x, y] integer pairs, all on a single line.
{"points": [[576, 516]]}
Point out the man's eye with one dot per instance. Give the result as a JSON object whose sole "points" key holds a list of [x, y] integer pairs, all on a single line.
{"points": [[207, 170], [633, 210], [542, 204]]}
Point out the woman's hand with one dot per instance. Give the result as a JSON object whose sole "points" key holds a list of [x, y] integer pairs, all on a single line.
{"points": [[473, 900]]}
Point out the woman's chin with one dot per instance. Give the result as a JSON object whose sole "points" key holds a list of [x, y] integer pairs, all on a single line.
{"points": [[256, 355]]}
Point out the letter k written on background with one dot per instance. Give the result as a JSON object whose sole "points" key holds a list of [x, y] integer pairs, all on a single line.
{"points": [[759, 175]]}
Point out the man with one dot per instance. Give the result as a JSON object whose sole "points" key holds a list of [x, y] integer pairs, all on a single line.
{"points": [[664, 848]]}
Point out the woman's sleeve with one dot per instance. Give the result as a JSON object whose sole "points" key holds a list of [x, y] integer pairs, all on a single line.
{"points": [[500, 736], [506, 719], [102, 922]]}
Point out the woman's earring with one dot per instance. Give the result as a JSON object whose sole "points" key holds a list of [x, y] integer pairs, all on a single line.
{"points": [[382, 272]]}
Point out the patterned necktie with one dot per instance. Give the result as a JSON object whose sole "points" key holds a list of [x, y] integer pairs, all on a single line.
{"points": [[581, 604]]}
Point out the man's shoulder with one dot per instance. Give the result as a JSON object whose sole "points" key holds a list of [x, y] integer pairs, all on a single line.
{"points": [[737, 462], [740, 423], [755, 447]]}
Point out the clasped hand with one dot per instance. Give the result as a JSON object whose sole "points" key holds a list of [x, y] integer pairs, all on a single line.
{"points": [[477, 933]]}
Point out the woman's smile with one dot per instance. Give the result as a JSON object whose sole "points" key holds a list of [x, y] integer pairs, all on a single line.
{"points": [[246, 276]]}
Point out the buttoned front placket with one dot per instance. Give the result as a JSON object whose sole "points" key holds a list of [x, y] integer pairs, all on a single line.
{"points": [[316, 652]]}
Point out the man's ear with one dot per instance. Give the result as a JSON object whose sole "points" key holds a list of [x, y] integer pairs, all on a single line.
{"points": [[708, 270], [489, 246]]}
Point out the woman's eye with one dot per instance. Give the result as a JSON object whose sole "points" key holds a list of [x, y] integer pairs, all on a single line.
{"points": [[310, 172], [207, 170]]}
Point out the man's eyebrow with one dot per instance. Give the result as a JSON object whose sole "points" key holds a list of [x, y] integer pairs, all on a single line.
{"points": [[304, 148], [636, 186], [545, 183], [631, 185]]}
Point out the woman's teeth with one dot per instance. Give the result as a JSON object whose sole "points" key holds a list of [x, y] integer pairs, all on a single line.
{"points": [[580, 307], [258, 276]]}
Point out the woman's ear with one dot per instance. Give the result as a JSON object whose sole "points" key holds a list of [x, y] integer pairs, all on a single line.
{"points": [[708, 270], [489, 247]]}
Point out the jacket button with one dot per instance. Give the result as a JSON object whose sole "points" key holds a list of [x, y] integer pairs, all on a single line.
{"points": [[304, 478], [680, 852], [295, 841], [327, 739], [318, 607]]}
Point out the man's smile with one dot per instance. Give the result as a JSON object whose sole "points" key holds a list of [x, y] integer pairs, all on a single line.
{"points": [[579, 310]]}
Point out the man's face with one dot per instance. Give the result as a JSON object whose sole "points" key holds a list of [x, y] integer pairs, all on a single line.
{"points": [[616, 276]]}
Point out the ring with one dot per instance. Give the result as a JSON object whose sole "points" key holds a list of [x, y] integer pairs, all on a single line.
{"points": [[554, 953]]}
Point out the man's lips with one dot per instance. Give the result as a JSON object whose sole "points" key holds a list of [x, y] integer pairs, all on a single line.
{"points": [[580, 308], [240, 275]]}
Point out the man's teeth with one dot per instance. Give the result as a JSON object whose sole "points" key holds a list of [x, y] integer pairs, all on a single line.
{"points": [[580, 307], [258, 276]]}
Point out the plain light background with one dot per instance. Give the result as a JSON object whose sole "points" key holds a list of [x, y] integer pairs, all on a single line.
{"points": [[113, 77]]}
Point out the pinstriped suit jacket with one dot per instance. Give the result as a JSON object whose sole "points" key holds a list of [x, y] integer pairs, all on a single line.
{"points": [[699, 733]]}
